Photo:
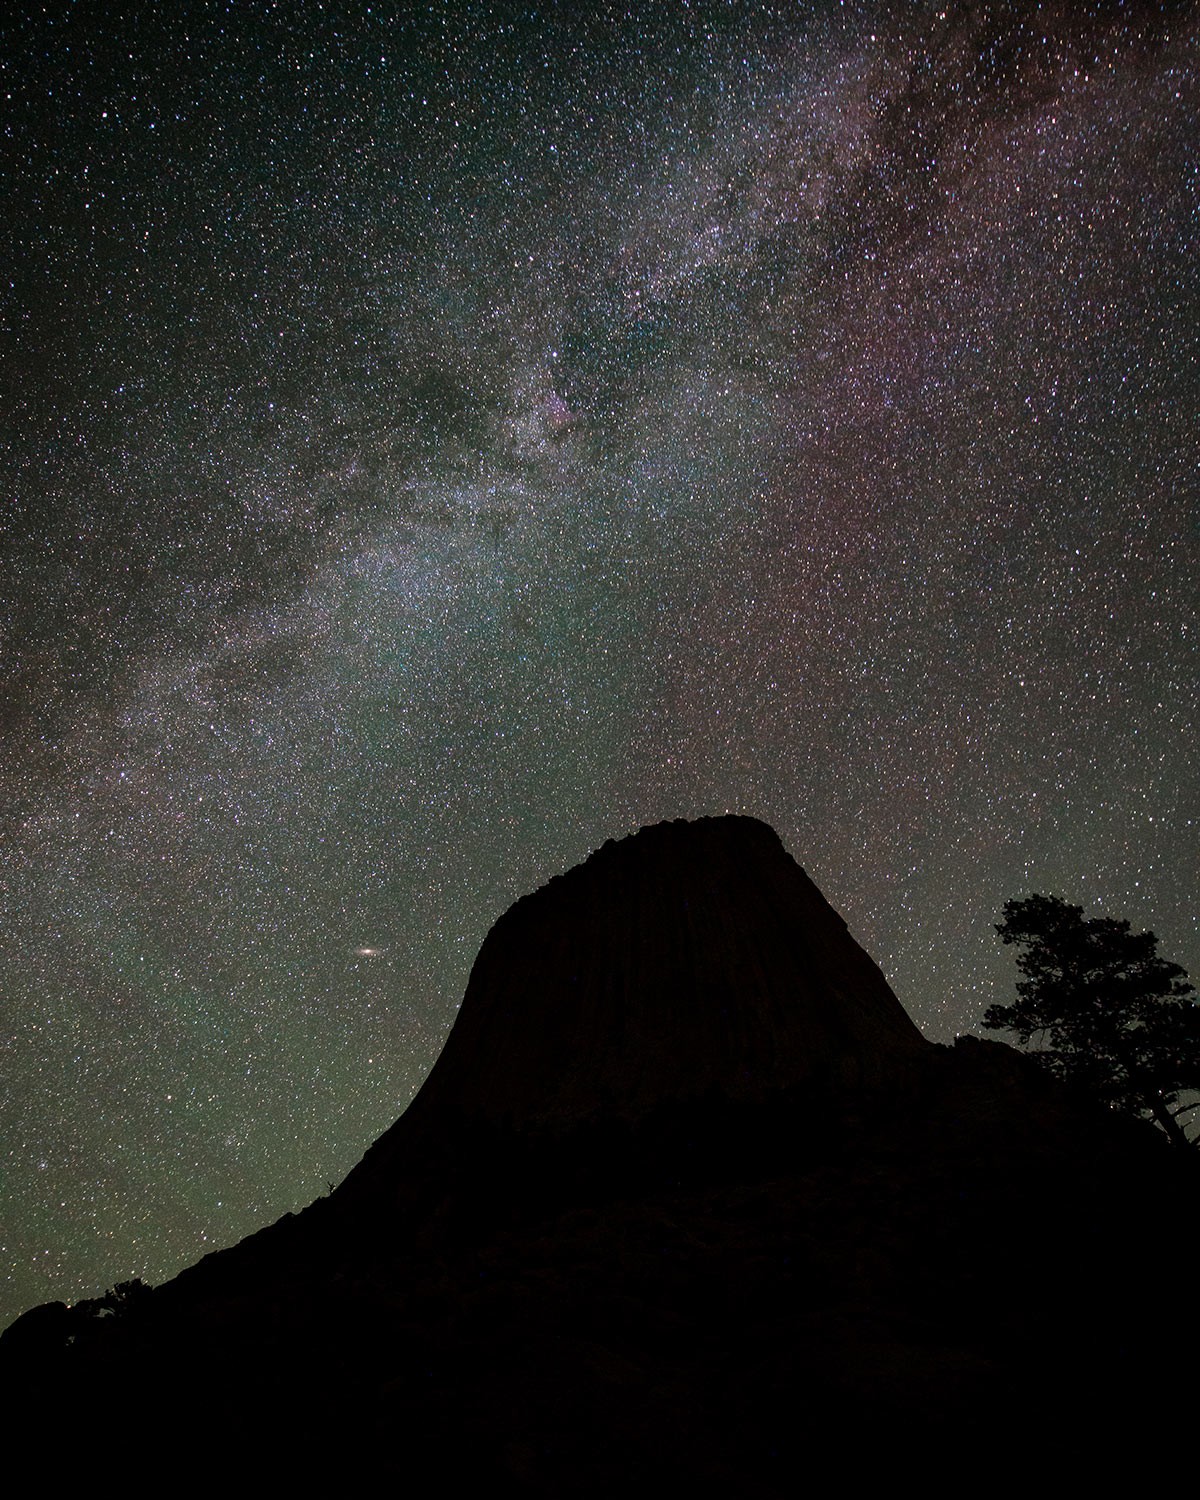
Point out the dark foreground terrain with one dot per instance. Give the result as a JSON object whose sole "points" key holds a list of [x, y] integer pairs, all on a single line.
{"points": [[687, 1203]]}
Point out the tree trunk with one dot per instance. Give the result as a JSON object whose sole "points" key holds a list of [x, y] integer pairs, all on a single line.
{"points": [[1175, 1133]]}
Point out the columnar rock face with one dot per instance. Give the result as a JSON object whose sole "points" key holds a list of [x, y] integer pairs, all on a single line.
{"points": [[691, 960]]}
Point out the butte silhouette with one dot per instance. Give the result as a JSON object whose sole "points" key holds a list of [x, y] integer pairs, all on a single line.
{"points": [[686, 1201]]}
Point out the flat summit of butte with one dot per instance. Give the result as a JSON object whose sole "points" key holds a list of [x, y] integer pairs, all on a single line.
{"points": [[687, 1199]]}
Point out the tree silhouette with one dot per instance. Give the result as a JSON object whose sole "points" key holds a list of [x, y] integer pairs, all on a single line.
{"points": [[1103, 1010]]}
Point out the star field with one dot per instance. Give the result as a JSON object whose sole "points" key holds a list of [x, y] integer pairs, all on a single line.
{"points": [[436, 442]]}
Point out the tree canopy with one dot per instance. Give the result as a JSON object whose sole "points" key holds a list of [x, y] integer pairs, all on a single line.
{"points": [[1102, 1010]]}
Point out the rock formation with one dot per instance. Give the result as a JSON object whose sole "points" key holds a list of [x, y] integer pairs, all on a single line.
{"points": [[687, 1201], [692, 961]]}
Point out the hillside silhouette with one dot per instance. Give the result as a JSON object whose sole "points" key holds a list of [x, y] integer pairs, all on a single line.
{"points": [[686, 1201]]}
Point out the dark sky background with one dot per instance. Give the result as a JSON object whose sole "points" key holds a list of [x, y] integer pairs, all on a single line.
{"points": [[436, 442]]}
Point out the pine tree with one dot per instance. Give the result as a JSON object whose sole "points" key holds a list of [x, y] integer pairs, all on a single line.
{"points": [[1103, 1011]]}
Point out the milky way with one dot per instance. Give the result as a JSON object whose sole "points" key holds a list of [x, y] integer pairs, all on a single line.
{"points": [[434, 446]]}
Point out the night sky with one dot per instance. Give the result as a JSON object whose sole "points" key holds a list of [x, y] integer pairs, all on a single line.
{"points": [[432, 446]]}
